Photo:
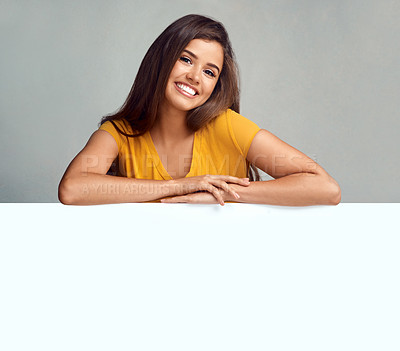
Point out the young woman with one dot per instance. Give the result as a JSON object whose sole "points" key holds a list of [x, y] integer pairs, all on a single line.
{"points": [[179, 136]]}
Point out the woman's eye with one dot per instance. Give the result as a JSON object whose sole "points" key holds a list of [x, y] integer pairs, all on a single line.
{"points": [[185, 59], [188, 60], [210, 73]]}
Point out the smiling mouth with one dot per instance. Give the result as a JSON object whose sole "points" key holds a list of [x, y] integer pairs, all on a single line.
{"points": [[186, 90]]}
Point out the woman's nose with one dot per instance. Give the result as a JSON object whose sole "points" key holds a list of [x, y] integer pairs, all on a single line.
{"points": [[194, 74]]}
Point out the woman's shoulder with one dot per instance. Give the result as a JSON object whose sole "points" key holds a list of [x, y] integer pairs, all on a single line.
{"points": [[230, 119], [231, 127], [113, 125], [221, 120], [119, 129], [220, 127]]}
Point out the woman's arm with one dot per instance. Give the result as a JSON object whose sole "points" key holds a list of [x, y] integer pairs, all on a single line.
{"points": [[299, 181], [85, 181]]}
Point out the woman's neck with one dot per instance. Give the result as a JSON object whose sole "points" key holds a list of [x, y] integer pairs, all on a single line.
{"points": [[171, 126]]}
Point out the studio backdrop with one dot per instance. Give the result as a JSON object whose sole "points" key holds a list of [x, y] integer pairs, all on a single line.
{"points": [[324, 76]]}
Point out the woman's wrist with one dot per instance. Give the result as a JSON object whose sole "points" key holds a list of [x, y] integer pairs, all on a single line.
{"points": [[180, 186]]}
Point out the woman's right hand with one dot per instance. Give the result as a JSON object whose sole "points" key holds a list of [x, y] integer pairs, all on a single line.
{"points": [[211, 183]]}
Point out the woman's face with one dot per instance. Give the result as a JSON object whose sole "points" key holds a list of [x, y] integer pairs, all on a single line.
{"points": [[194, 75]]}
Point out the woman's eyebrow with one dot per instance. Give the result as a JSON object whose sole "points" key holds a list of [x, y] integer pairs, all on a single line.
{"points": [[209, 64]]}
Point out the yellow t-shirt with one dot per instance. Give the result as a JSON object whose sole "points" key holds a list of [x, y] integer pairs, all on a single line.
{"points": [[219, 148]]}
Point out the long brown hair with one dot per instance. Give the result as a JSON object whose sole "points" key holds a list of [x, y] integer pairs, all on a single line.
{"points": [[140, 108]]}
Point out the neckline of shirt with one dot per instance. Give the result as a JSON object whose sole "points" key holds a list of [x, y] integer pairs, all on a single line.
{"points": [[157, 160]]}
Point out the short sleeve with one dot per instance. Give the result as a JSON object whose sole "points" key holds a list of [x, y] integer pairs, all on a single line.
{"points": [[109, 127], [242, 131]]}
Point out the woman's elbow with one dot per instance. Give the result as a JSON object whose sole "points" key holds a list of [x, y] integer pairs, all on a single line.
{"points": [[334, 194], [66, 192]]}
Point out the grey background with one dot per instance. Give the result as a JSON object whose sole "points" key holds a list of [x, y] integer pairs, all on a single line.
{"points": [[321, 75]]}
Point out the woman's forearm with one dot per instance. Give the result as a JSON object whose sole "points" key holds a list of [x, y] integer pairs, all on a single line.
{"points": [[91, 189], [299, 189]]}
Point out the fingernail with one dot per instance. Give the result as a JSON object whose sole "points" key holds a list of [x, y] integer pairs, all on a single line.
{"points": [[237, 195]]}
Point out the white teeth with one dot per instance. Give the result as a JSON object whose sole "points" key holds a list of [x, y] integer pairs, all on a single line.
{"points": [[187, 89]]}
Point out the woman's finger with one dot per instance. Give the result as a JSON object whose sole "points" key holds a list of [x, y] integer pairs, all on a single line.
{"points": [[214, 184], [232, 179], [225, 186], [213, 190]]}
